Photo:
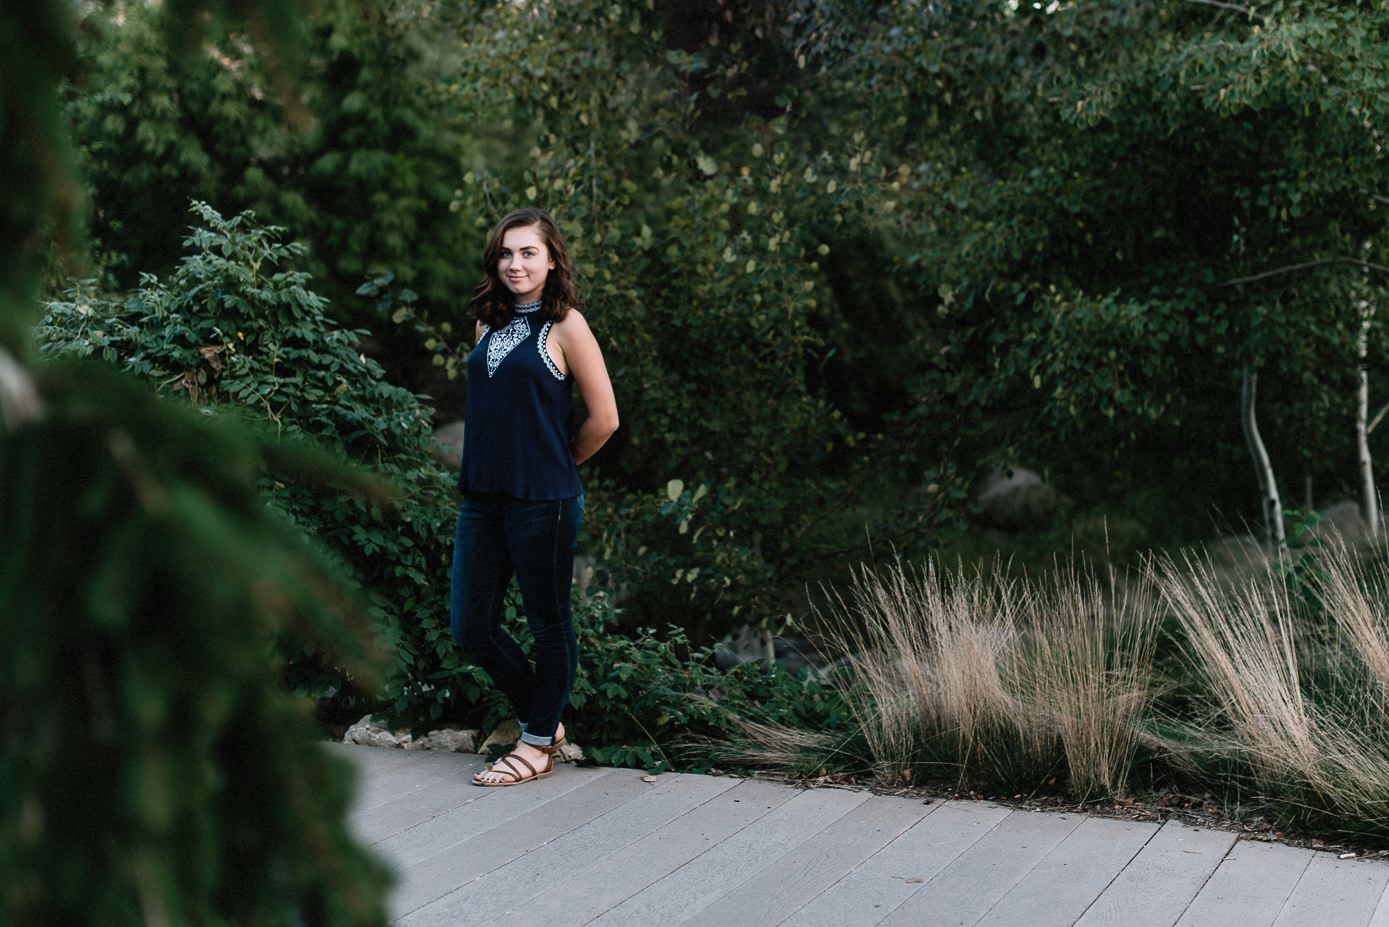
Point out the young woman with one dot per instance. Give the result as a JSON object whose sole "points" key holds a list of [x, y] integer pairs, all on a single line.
{"points": [[522, 500]]}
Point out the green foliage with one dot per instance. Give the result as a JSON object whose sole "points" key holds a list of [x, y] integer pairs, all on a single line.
{"points": [[1076, 189], [705, 289], [152, 765], [366, 183], [653, 700], [234, 328], [36, 52]]}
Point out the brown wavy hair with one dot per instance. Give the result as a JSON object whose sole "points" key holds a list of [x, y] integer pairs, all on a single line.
{"points": [[493, 303]]}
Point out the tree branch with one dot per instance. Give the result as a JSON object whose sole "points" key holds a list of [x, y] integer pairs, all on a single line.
{"points": [[1292, 268], [1246, 10], [1375, 421]]}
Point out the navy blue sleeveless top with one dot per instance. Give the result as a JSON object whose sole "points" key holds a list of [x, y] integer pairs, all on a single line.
{"points": [[516, 430]]}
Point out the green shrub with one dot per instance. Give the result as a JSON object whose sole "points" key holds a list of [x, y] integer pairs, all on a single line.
{"points": [[233, 328]]}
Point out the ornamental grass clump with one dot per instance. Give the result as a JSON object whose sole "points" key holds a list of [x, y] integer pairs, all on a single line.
{"points": [[1290, 700], [997, 683], [1085, 665]]}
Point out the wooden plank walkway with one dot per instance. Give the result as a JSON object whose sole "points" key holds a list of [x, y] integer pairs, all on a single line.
{"points": [[604, 847]]}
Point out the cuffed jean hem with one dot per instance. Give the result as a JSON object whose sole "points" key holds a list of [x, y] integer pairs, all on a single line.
{"points": [[535, 741]]}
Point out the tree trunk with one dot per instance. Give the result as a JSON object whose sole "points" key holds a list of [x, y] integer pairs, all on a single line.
{"points": [[1263, 468], [19, 397], [1369, 500]]}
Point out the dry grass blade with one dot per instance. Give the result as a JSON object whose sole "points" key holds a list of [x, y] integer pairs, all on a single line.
{"points": [[1348, 593], [998, 678], [1241, 640]]}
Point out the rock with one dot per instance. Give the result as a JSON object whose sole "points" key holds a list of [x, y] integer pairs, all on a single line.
{"points": [[447, 446], [505, 735], [1015, 499], [791, 652], [1342, 522], [1239, 551], [737, 647], [371, 733], [446, 740]]}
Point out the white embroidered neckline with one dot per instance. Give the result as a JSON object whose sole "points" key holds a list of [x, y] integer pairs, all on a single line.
{"points": [[504, 340]]}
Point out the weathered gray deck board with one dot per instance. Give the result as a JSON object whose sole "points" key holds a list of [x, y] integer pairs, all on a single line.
{"points": [[465, 821], [1334, 891], [887, 878], [602, 846], [787, 885], [399, 773], [509, 887], [594, 889], [1157, 886], [1249, 888], [1381, 915], [1056, 892], [386, 819], [965, 890], [484, 851], [724, 867]]}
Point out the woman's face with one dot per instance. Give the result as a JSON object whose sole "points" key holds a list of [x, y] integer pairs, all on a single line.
{"points": [[524, 263]]}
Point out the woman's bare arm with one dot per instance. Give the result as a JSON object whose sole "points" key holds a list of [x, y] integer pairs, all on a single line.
{"points": [[584, 360]]}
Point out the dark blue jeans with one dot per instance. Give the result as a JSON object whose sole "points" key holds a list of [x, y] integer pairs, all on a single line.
{"points": [[500, 536]]}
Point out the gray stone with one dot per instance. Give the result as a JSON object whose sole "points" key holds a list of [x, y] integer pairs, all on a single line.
{"points": [[372, 733], [746, 645], [1014, 499], [503, 735], [447, 446], [1343, 522], [446, 740]]}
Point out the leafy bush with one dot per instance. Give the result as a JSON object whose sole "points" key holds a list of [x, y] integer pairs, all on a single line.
{"points": [[366, 186], [233, 329]]}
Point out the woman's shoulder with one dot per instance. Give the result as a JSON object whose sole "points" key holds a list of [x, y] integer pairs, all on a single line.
{"points": [[571, 321]]}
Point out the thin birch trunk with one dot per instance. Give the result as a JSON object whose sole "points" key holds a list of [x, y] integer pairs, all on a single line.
{"points": [[19, 396], [1263, 468], [1369, 500]]}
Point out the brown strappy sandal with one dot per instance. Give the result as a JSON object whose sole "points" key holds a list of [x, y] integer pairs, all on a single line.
{"points": [[560, 741], [517, 777]]}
